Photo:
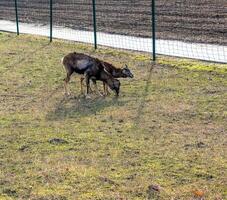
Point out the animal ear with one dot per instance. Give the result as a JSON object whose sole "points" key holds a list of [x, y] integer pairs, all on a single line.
{"points": [[123, 70], [126, 66]]}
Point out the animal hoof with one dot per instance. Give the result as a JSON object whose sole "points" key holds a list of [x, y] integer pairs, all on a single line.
{"points": [[107, 93], [88, 97], [102, 94], [67, 94]]}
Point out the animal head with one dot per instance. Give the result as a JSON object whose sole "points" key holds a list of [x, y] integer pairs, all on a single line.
{"points": [[115, 86], [126, 72]]}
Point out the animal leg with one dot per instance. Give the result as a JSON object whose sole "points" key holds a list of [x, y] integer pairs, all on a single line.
{"points": [[96, 88], [81, 85], [87, 78], [105, 88], [66, 81]]}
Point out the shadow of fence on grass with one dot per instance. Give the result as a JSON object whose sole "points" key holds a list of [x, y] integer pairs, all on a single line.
{"points": [[144, 96]]}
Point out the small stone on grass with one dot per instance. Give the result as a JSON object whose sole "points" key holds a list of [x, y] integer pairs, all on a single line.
{"points": [[57, 141]]}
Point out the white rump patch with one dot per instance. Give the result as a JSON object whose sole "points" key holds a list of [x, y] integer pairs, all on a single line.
{"points": [[82, 64], [62, 60]]}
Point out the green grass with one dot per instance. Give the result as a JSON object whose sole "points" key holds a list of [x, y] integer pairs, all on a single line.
{"points": [[167, 128]]}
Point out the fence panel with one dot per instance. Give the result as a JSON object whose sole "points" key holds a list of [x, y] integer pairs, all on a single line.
{"points": [[7, 13], [34, 16], [185, 28], [72, 20], [124, 24], [192, 28]]}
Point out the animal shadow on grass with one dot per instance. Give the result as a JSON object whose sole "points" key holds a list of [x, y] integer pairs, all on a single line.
{"points": [[80, 107]]}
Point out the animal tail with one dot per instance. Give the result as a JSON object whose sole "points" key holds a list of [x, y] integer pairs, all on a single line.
{"points": [[62, 59]]}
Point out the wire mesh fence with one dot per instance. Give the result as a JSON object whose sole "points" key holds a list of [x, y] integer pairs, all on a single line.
{"points": [[197, 21], [185, 28], [7, 10], [193, 28], [73, 20], [125, 25], [35, 13]]}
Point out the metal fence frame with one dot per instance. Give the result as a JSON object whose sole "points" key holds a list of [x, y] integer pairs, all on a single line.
{"points": [[94, 24], [152, 42]]}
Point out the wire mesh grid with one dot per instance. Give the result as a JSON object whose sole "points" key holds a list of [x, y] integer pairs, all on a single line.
{"points": [[7, 10], [72, 20], [7, 13], [34, 16], [192, 28], [124, 24], [185, 28]]}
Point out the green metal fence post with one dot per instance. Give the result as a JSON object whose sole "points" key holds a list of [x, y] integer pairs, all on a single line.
{"points": [[94, 23], [153, 31], [17, 21], [51, 20]]}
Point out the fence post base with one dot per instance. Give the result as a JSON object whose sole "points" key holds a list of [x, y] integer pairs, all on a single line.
{"points": [[17, 20], [94, 23], [51, 20], [153, 31]]}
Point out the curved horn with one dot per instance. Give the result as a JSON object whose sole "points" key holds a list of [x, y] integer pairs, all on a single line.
{"points": [[126, 66], [103, 64]]}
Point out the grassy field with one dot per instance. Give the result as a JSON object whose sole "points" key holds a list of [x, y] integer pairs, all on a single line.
{"points": [[163, 138]]}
